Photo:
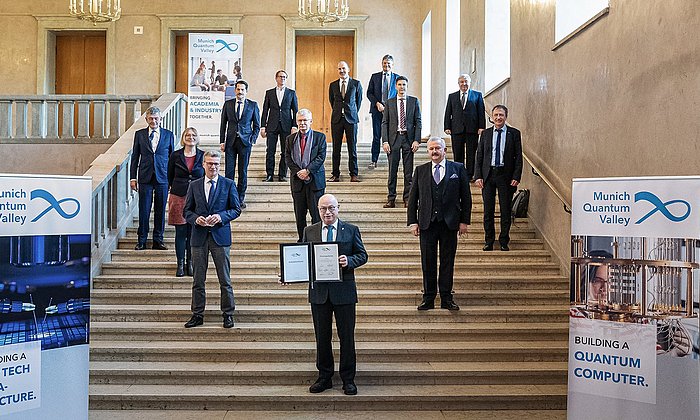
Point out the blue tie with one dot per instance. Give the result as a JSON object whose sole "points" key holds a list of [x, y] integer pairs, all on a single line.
{"points": [[211, 192], [150, 137], [238, 110], [498, 148], [329, 236]]}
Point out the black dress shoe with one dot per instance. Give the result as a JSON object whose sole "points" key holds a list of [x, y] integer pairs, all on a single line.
{"points": [[140, 247], [449, 305], [268, 179], [320, 385], [426, 304], [282, 179], [159, 245], [350, 388], [180, 272], [390, 204], [228, 321], [334, 179], [194, 321], [488, 247], [505, 248]]}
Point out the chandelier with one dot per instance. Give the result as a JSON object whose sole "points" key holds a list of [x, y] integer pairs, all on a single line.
{"points": [[95, 10], [323, 11]]}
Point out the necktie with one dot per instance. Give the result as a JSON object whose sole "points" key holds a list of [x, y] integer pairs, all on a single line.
{"points": [[463, 99], [302, 144], [329, 235], [497, 152], [385, 87], [436, 174], [211, 191], [342, 90], [402, 115], [152, 137], [238, 109]]}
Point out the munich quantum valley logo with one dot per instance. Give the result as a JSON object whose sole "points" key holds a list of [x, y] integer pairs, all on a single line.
{"points": [[16, 205], [623, 208], [230, 46]]}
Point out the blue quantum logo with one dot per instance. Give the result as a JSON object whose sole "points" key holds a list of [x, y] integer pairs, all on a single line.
{"points": [[660, 206], [226, 46], [54, 204]]}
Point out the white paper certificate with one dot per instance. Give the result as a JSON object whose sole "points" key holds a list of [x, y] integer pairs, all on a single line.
{"points": [[326, 263], [295, 263]]}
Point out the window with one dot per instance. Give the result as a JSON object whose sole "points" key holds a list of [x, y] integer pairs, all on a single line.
{"points": [[574, 15], [426, 72], [497, 43], [452, 45]]}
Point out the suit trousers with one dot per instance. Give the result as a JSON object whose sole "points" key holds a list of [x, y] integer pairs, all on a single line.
{"points": [[152, 193], [238, 153], [350, 131], [376, 134], [470, 141], [345, 324], [438, 235], [497, 182], [272, 149], [400, 151], [306, 200], [222, 262]]}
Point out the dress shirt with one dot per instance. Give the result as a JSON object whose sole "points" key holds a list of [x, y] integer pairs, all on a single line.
{"points": [[280, 94], [242, 108], [386, 78], [207, 185], [156, 137], [493, 145], [442, 169], [466, 98], [324, 232]]}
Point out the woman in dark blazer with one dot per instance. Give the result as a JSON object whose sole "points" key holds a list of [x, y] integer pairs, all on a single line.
{"points": [[184, 166]]}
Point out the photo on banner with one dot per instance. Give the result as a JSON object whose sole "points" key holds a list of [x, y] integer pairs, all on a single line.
{"points": [[634, 335], [215, 64]]}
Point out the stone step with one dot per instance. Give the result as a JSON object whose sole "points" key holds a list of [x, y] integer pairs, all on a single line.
{"points": [[297, 397], [299, 313], [393, 352], [287, 331], [305, 373]]}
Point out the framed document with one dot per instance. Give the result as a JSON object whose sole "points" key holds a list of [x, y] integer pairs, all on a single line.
{"points": [[295, 262], [326, 266]]}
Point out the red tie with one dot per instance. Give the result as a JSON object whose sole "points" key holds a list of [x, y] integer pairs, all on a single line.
{"points": [[302, 144]]}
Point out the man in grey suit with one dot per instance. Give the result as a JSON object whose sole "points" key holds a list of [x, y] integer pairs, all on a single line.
{"points": [[401, 127], [345, 96], [279, 109], [210, 205], [335, 298]]}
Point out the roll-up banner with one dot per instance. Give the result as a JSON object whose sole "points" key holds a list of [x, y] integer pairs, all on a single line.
{"points": [[633, 326], [45, 231], [215, 64]]}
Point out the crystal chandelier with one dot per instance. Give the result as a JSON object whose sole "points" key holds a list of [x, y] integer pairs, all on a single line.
{"points": [[323, 11], [95, 10]]}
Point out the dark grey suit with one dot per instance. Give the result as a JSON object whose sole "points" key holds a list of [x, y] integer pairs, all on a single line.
{"points": [[464, 124], [278, 120], [400, 142], [344, 120]]}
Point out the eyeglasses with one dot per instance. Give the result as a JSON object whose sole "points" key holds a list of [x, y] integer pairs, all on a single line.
{"points": [[212, 163], [329, 208]]}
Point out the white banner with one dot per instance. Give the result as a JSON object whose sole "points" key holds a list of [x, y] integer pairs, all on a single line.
{"points": [[20, 377], [664, 207]]}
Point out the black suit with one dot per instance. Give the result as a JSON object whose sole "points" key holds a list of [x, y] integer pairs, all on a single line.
{"points": [[239, 135], [438, 209], [344, 119], [340, 298], [278, 120], [498, 180], [306, 193], [464, 125], [400, 142], [374, 94]]}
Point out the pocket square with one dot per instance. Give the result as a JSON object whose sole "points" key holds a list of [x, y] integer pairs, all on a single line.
{"points": [[454, 176]]}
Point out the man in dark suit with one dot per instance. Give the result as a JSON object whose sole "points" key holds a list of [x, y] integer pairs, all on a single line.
{"points": [[149, 160], [401, 129], [345, 96], [499, 166], [381, 88], [439, 206], [305, 154], [210, 205], [335, 298], [240, 125], [464, 121], [279, 109]]}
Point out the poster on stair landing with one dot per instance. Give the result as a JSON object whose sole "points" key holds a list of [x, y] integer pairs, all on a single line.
{"points": [[215, 64], [45, 243], [633, 327]]}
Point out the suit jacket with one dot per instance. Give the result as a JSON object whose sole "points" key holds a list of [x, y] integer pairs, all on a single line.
{"points": [[350, 104], [512, 154], [374, 90], [350, 245], [276, 118], [315, 166], [247, 128], [225, 203], [390, 121], [146, 162], [456, 201], [179, 175], [467, 120]]}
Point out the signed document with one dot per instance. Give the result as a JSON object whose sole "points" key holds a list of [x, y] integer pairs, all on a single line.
{"points": [[295, 262], [326, 266]]}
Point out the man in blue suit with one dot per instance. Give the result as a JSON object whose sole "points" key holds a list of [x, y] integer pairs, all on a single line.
{"points": [[210, 205], [465, 119], [345, 97], [240, 126], [149, 176], [381, 88], [278, 122]]}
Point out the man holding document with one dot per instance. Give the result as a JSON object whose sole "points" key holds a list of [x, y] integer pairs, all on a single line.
{"points": [[335, 297]]}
